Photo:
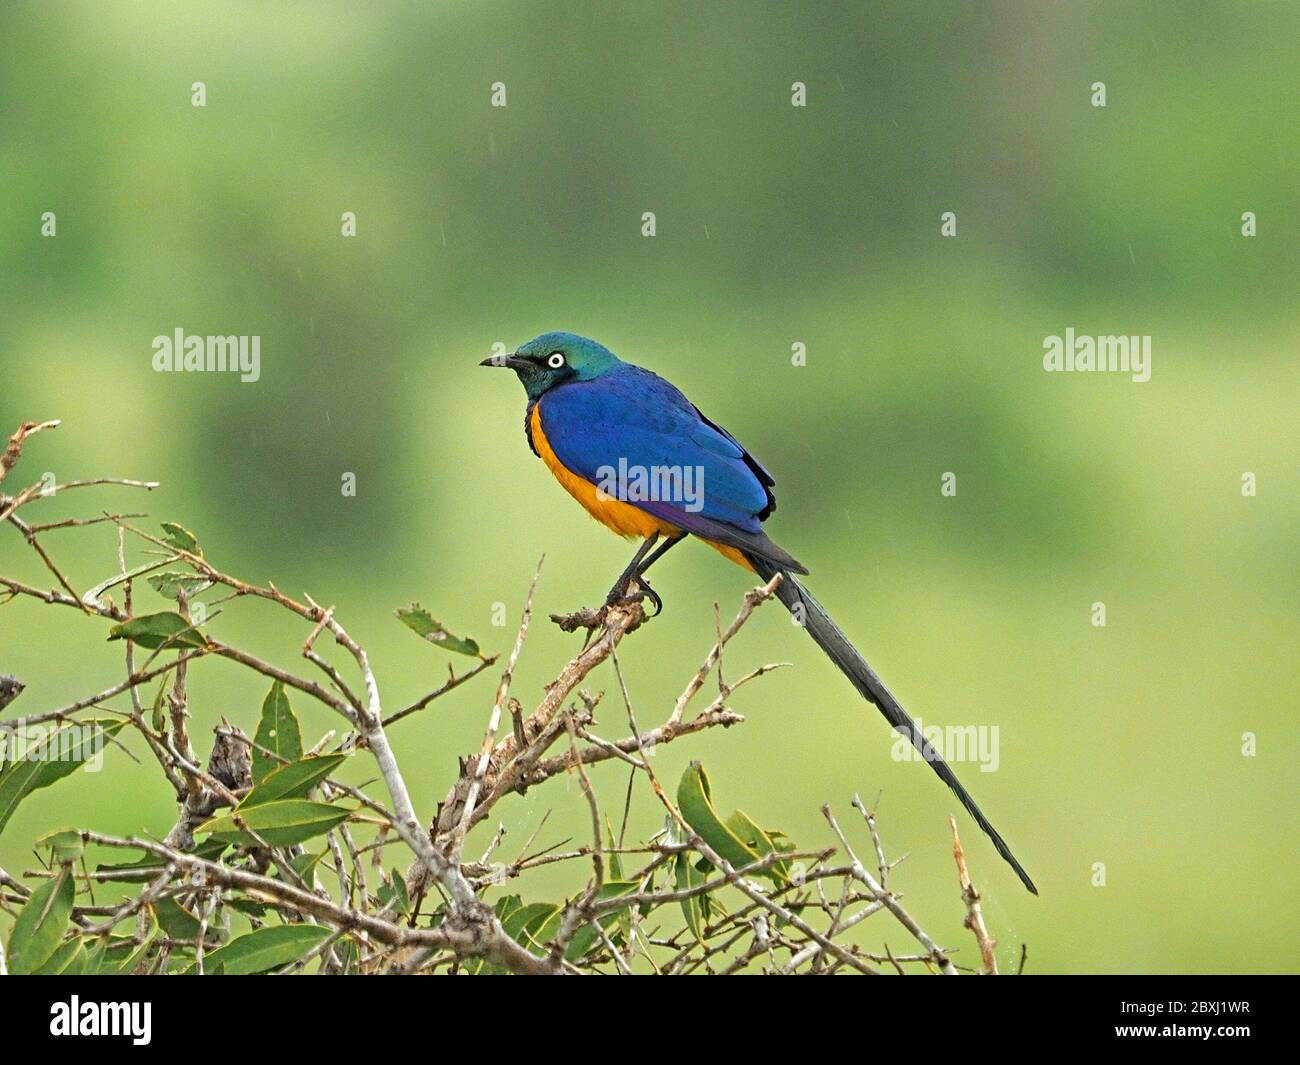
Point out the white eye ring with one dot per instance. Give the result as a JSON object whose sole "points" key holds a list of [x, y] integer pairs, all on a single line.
{"points": [[555, 360]]}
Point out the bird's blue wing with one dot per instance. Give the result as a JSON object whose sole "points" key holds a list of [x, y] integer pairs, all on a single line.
{"points": [[631, 418]]}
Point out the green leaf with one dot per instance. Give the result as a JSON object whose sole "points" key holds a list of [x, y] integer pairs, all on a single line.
{"points": [[615, 860], [68, 959], [247, 906], [348, 952], [158, 712], [294, 780], [171, 583], [174, 919], [65, 844], [209, 849], [302, 864], [757, 840], [692, 908], [19, 779], [41, 924], [266, 948], [116, 956], [395, 891], [181, 537], [506, 905], [277, 731], [585, 938], [419, 621], [156, 630], [280, 823], [93, 595], [695, 801], [532, 925]]}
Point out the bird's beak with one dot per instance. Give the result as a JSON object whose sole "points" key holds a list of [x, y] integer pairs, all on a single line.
{"points": [[512, 361]]}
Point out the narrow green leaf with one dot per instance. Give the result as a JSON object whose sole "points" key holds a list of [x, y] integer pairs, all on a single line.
{"points": [[179, 536], [209, 849], [759, 841], [695, 801], [303, 864], [395, 892], [65, 844], [93, 595], [61, 754], [265, 949], [527, 924], [68, 959], [158, 712], [115, 956], [171, 583], [277, 731], [586, 938], [155, 630], [420, 622], [615, 860], [294, 780], [41, 923], [688, 876], [506, 905], [247, 906], [280, 823], [174, 919]]}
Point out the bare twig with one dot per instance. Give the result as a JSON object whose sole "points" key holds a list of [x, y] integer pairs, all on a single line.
{"points": [[974, 912]]}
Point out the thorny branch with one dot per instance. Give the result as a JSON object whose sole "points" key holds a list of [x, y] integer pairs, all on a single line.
{"points": [[620, 920]]}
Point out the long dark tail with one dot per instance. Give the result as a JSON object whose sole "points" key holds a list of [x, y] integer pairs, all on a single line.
{"points": [[830, 639]]}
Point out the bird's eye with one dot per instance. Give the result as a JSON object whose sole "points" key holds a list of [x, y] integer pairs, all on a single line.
{"points": [[555, 360]]}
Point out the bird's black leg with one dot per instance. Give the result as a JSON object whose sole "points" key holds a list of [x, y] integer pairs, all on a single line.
{"points": [[630, 573], [659, 553], [636, 572]]}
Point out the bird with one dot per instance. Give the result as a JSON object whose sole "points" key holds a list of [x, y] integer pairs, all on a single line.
{"points": [[647, 463]]}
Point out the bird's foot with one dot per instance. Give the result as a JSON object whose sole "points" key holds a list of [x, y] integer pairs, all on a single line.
{"points": [[634, 589]]}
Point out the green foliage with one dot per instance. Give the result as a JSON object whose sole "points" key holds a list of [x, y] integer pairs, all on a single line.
{"points": [[63, 752], [167, 630], [65, 845], [147, 866], [234, 889], [170, 584], [265, 949], [293, 779], [737, 839], [38, 932], [278, 732], [174, 919], [180, 537], [280, 823], [420, 622]]}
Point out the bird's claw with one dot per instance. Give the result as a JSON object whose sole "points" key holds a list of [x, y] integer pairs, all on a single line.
{"points": [[622, 594]]}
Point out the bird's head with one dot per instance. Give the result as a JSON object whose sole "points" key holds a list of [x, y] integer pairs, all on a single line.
{"points": [[554, 359]]}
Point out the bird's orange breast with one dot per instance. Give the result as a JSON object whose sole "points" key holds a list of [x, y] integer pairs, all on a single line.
{"points": [[623, 518]]}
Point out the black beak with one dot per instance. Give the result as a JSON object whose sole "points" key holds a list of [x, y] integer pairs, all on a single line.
{"points": [[512, 361]]}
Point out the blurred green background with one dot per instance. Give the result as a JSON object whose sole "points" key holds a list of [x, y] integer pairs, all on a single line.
{"points": [[1119, 745]]}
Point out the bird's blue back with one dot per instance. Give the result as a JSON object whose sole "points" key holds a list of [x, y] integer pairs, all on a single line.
{"points": [[632, 414]]}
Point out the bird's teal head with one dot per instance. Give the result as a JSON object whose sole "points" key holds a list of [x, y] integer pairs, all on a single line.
{"points": [[554, 359]]}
